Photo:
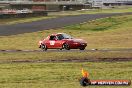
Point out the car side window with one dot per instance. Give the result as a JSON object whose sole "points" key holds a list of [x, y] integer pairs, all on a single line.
{"points": [[60, 37], [52, 38]]}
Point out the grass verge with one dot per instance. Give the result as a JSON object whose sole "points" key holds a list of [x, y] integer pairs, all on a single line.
{"points": [[61, 75]]}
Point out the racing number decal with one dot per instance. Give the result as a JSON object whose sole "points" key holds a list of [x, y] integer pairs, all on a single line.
{"points": [[52, 42]]}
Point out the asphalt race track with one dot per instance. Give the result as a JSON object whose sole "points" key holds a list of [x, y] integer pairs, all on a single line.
{"points": [[72, 50], [6, 30]]}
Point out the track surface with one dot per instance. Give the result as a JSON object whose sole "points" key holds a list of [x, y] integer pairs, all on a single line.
{"points": [[55, 50], [6, 30]]}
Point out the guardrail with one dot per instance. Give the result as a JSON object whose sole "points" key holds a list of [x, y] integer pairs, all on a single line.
{"points": [[22, 15]]}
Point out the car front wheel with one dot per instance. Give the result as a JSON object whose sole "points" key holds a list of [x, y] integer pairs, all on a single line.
{"points": [[82, 48], [66, 46]]}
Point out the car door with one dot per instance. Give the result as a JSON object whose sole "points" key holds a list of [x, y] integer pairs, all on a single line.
{"points": [[54, 42], [51, 42], [58, 43]]}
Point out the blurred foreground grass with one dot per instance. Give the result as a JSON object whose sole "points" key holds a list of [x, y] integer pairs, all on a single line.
{"points": [[61, 75]]}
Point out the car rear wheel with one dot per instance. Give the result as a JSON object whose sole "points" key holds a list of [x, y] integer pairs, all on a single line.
{"points": [[43, 47], [66, 46]]}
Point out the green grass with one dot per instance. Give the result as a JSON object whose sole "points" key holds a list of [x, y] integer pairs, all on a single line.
{"points": [[112, 32], [61, 75]]}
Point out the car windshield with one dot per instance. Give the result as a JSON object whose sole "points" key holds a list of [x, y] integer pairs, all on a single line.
{"points": [[64, 36]]}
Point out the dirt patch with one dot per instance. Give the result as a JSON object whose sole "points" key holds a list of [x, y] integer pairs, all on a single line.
{"points": [[71, 60]]}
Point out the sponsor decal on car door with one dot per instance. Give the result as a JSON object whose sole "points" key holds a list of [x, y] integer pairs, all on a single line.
{"points": [[52, 43]]}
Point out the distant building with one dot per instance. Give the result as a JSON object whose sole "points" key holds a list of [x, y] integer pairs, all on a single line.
{"points": [[57, 5], [110, 3], [48, 5]]}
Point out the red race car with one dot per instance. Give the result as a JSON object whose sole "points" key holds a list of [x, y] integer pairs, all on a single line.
{"points": [[62, 41]]}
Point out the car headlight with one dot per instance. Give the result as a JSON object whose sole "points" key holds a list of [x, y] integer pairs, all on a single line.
{"points": [[82, 43]]}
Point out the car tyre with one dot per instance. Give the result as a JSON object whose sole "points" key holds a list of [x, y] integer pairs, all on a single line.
{"points": [[82, 48], [66, 46], [43, 47], [61, 48]]}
